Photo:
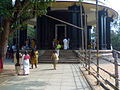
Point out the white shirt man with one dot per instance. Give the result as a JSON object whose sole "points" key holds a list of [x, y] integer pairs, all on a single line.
{"points": [[65, 41]]}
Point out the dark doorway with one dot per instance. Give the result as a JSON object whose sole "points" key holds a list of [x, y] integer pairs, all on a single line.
{"points": [[60, 32]]}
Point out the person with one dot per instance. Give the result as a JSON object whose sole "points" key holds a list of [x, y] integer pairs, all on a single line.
{"points": [[58, 46], [34, 59], [17, 62], [65, 41], [1, 64], [22, 47], [14, 47], [33, 44], [8, 52], [55, 59], [11, 52], [37, 55], [26, 59], [93, 44], [68, 46], [27, 46], [55, 41]]}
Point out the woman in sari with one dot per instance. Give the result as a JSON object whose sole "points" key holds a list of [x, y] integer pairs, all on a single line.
{"points": [[34, 58], [26, 59]]}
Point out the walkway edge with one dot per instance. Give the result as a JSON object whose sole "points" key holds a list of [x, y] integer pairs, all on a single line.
{"points": [[87, 79]]}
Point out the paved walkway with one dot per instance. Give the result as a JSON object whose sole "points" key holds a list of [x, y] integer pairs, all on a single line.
{"points": [[8, 71], [66, 77]]}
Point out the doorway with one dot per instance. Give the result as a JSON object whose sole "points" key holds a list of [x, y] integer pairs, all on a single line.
{"points": [[60, 32]]}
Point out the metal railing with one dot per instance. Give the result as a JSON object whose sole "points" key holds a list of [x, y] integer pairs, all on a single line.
{"points": [[90, 60]]}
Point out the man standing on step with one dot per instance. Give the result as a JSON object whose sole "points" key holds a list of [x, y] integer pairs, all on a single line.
{"points": [[65, 41]]}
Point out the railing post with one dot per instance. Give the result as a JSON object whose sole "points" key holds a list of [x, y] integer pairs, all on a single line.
{"points": [[97, 39], [116, 70], [81, 54], [89, 60]]}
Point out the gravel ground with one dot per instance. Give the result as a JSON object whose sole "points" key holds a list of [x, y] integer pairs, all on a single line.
{"points": [[105, 65]]}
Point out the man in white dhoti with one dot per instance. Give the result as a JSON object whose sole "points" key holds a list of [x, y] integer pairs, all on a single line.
{"points": [[65, 41]]}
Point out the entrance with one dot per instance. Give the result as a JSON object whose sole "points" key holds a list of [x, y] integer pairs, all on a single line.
{"points": [[60, 32]]}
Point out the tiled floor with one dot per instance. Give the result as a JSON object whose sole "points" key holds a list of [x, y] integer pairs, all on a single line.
{"points": [[66, 77]]}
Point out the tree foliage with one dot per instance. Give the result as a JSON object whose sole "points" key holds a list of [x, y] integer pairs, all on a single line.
{"points": [[115, 34], [14, 14], [115, 38], [116, 24], [22, 10]]}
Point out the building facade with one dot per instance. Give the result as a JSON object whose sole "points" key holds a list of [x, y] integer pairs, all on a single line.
{"points": [[65, 16]]}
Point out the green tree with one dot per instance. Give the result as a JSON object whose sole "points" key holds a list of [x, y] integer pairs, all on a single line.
{"points": [[12, 13], [31, 31], [115, 34], [115, 38]]}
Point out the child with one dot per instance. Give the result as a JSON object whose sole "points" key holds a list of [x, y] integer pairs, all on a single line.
{"points": [[55, 59]]}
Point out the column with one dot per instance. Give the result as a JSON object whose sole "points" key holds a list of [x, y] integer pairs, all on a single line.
{"points": [[89, 36], [102, 29], [108, 35]]}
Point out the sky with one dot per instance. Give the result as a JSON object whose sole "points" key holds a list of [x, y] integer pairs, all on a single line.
{"points": [[115, 4]]}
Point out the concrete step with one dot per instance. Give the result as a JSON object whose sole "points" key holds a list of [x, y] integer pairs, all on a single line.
{"points": [[62, 53], [60, 61], [66, 56], [71, 57]]}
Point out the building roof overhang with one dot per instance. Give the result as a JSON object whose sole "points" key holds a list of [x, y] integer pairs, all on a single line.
{"points": [[89, 7]]}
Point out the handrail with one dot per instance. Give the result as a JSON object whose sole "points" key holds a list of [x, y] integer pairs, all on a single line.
{"points": [[109, 61], [88, 67], [104, 70]]}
